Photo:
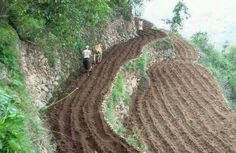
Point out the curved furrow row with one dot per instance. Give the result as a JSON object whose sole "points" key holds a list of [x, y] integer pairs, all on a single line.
{"points": [[171, 95], [86, 113], [184, 52], [164, 124], [211, 93], [212, 85], [193, 54], [169, 110], [79, 116], [221, 121], [207, 94], [179, 113], [205, 119], [153, 146], [95, 119], [148, 121], [183, 109], [198, 90]]}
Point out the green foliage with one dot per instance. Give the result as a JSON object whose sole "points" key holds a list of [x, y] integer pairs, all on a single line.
{"points": [[8, 41], [144, 81], [118, 91], [140, 64], [61, 19], [17, 116], [121, 7], [13, 136], [164, 44], [17, 9], [180, 14], [28, 27], [94, 11], [221, 65], [3, 10], [120, 96]]}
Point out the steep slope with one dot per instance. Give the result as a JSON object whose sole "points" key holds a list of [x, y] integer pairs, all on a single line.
{"points": [[183, 109], [78, 122]]}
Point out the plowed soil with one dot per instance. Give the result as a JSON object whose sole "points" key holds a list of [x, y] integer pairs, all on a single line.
{"points": [[78, 122], [181, 111]]}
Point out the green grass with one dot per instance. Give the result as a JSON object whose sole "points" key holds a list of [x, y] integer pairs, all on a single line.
{"points": [[138, 65], [21, 129], [120, 95], [221, 64]]}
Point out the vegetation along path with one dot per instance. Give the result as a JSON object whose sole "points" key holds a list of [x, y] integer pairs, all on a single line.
{"points": [[182, 110]]}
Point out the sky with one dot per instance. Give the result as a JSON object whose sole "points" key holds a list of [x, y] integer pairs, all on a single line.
{"points": [[216, 17]]}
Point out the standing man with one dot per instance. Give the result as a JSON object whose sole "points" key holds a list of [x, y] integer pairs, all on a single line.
{"points": [[86, 59], [140, 25]]}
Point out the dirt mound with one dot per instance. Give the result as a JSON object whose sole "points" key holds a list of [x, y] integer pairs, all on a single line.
{"points": [[183, 109], [78, 122]]}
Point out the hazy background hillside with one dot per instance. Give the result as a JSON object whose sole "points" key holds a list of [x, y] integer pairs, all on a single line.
{"points": [[217, 18]]}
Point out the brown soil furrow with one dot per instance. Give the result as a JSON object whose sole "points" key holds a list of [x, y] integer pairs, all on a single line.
{"points": [[155, 132], [198, 90], [186, 135], [164, 123], [184, 52], [96, 119], [80, 119], [207, 121], [139, 124], [220, 119], [182, 110], [63, 122], [189, 135], [212, 94], [90, 101], [181, 46], [207, 95], [212, 85], [185, 106], [192, 52], [80, 116], [180, 51], [190, 112]]}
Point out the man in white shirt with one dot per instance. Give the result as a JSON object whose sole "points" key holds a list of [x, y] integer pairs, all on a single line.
{"points": [[86, 59], [140, 25]]}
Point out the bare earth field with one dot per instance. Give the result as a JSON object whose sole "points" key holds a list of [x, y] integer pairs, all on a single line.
{"points": [[182, 110]]}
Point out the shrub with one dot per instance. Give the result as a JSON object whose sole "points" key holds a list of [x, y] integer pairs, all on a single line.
{"points": [[8, 42], [220, 64], [28, 27], [13, 137]]}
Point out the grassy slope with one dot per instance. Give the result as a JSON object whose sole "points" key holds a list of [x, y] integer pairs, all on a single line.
{"points": [[220, 63]]}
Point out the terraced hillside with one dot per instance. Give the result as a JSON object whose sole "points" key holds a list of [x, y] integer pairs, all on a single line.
{"points": [[181, 111], [78, 123]]}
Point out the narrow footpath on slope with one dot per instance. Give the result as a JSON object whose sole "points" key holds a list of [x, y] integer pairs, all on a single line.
{"points": [[78, 122]]}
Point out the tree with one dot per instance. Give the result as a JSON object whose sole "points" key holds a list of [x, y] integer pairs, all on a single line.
{"points": [[180, 14]]}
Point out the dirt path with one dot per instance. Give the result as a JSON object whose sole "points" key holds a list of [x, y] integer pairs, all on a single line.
{"points": [[183, 109], [78, 122]]}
